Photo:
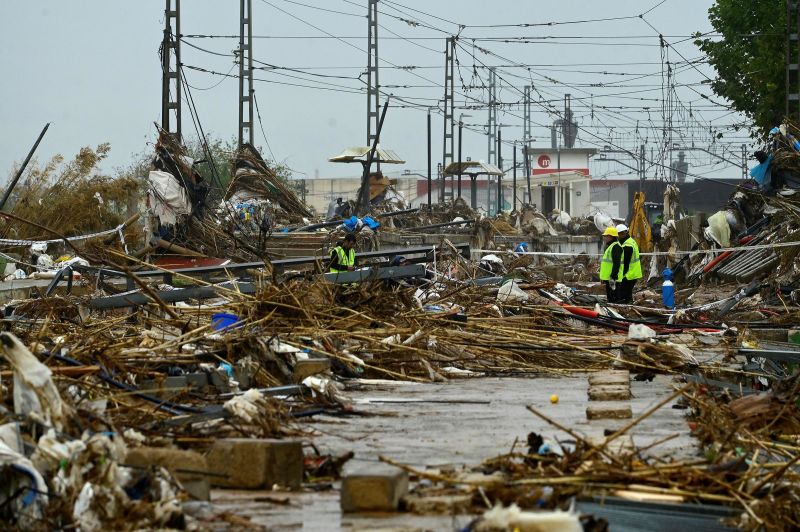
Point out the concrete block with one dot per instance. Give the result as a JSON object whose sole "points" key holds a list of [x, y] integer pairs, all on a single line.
{"points": [[168, 388], [610, 377], [256, 463], [188, 467], [610, 392], [243, 377], [377, 491], [197, 381], [219, 380], [608, 411], [457, 504], [308, 367]]}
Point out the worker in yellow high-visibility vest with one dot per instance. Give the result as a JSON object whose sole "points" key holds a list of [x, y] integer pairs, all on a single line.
{"points": [[610, 264], [343, 256], [631, 265]]}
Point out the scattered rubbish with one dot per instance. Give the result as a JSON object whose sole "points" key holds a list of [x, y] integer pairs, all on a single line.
{"points": [[139, 372]]}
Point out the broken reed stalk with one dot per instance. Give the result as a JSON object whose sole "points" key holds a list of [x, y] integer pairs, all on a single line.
{"points": [[774, 475], [641, 418], [430, 476], [370, 366], [151, 294], [575, 435]]}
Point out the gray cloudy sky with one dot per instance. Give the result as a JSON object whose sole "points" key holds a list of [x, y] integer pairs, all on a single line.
{"points": [[92, 68]]}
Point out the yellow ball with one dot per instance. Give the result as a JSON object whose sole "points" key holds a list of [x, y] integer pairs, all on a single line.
{"points": [[554, 398]]}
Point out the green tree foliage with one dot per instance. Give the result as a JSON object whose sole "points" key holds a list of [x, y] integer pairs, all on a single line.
{"points": [[72, 197], [749, 57], [222, 153]]}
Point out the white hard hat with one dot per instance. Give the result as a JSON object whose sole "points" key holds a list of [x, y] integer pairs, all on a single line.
{"points": [[621, 228]]}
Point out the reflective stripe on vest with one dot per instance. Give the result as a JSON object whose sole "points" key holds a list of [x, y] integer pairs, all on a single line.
{"points": [[635, 266], [345, 259], [607, 263]]}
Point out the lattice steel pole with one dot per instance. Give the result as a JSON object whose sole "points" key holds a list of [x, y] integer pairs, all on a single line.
{"points": [[449, 111], [373, 85], [245, 72], [492, 122], [170, 69]]}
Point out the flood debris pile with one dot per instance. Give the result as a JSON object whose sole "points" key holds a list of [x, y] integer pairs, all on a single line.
{"points": [[114, 415], [148, 372], [746, 464], [255, 185], [196, 217], [62, 467]]}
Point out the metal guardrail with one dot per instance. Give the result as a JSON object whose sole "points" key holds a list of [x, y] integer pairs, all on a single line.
{"points": [[130, 299], [206, 272], [781, 355]]}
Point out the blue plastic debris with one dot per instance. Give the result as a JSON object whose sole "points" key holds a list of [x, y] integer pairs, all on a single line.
{"points": [[224, 321], [371, 222]]}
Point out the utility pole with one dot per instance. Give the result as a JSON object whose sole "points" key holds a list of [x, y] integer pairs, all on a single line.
{"points": [[526, 136], [641, 168], [245, 71], [492, 125], [500, 166], [449, 111], [460, 160], [514, 174], [430, 184], [363, 204], [526, 116], [373, 86], [744, 162], [792, 59], [171, 69]]}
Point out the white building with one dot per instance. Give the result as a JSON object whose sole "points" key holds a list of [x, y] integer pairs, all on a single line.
{"points": [[560, 179], [321, 191]]}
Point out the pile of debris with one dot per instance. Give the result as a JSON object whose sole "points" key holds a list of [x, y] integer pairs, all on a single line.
{"points": [[255, 204], [748, 450]]}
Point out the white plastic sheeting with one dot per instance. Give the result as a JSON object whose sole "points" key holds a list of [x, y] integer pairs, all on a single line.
{"points": [[510, 292], [35, 394], [29, 506], [167, 197]]}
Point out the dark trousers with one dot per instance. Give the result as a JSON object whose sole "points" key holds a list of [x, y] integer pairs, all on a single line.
{"points": [[625, 290], [612, 295]]}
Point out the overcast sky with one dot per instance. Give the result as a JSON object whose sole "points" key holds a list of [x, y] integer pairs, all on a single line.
{"points": [[92, 69]]}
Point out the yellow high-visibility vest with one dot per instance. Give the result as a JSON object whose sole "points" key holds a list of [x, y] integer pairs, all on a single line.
{"points": [[635, 266], [346, 258], [607, 264]]}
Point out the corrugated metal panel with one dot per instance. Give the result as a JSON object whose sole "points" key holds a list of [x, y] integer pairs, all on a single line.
{"points": [[472, 168], [360, 154]]}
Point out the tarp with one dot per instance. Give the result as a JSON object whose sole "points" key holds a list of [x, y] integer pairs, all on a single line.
{"points": [[168, 198]]}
